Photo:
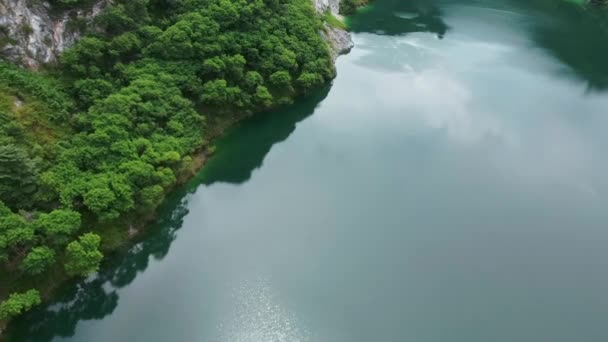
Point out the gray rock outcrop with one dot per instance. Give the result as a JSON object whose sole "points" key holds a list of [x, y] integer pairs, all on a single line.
{"points": [[339, 40], [323, 6], [32, 34]]}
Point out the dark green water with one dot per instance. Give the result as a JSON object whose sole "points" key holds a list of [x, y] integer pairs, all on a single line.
{"points": [[451, 185]]}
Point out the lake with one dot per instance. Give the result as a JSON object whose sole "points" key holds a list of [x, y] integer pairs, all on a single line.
{"points": [[450, 185]]}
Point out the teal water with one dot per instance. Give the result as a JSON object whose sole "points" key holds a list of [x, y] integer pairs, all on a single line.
{"points": [[451, 185]]}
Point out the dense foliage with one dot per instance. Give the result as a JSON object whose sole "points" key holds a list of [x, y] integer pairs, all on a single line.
{"points": [[18, 303], [351, 6], [98, 142], [83, 256], [38, 260]]}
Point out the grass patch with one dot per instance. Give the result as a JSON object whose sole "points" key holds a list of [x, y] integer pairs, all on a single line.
{"points": [[333, 21], [43, 88], [31, 115]]}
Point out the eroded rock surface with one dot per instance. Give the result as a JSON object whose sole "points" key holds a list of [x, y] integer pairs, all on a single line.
{"points": [[31, 33], [339, 40]]}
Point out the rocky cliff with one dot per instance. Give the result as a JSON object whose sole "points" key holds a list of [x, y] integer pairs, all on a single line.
{"points": [[32, 32], [323, 6], [339, 40]]}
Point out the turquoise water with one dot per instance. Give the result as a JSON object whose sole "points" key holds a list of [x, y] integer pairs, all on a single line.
{"points": [[450, 185]]}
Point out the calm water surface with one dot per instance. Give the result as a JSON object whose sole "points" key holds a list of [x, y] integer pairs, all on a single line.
{"points": [[451, 185]]}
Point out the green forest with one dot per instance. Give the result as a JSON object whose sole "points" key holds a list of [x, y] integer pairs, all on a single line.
{"points": [[90, 146]]}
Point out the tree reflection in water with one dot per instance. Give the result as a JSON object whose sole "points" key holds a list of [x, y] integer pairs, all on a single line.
{"points": [[240, 152]]}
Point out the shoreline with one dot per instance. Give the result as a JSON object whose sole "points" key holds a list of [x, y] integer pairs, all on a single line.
{"points": [[136, 227], [137, 232]]}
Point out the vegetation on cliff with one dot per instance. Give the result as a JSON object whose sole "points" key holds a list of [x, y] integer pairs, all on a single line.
{"points": [[93, 145], [348, 7]]}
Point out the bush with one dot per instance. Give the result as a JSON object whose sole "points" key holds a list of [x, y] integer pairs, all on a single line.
{"points": [[18, 303]]}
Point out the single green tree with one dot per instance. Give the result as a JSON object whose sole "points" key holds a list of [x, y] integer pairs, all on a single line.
{"points": [[15, 232], [308, 81], [17, 176], [83, 256], [99, 201], [280, 79], [151, 196], [38, 260], [263, 96], [59, 225], [252, 80], [18, 303]]}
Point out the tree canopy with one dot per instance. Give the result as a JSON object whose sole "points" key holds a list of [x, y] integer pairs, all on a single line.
{"points": [[100, 140], [18, 303], [38, 260], [83, 256]]}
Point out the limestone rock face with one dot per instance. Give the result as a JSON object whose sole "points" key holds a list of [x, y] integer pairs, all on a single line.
{"points": [[323, 6], [31, 33], [339, 40]]}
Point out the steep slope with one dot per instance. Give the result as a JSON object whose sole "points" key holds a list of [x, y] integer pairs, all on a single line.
{"points": [[33, 32], [98, 140]]}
